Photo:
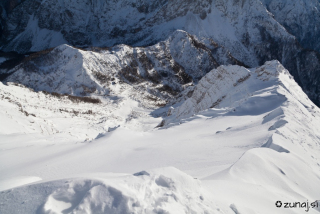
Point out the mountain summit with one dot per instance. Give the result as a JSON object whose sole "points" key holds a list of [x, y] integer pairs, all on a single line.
{"points": [[159, 106]]}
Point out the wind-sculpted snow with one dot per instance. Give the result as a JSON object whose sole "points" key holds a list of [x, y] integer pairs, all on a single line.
{"points": [[104, 74], [258, 145], [166, 190]]}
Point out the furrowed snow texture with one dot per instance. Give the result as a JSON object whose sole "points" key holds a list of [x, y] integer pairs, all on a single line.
{"points": [[254, 131]]}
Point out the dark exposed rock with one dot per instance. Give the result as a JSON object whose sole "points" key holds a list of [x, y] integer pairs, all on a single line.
{"points": [[300, 18]]}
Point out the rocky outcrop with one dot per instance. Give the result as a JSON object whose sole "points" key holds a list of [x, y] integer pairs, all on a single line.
{"points": [[160, 71]]}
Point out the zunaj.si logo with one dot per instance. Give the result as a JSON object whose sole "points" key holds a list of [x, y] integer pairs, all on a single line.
{"points": [[306, 205], [278, 204]]}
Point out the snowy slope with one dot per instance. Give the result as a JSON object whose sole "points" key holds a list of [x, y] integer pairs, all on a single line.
{"points": [[63, 119], [258, 145], [231, 86]]}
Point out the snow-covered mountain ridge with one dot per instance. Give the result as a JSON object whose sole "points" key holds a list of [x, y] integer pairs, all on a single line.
{"points": [[262, 139], [231, 86], [237, 91], [103, 23], [161, 71], [252, 31], [164, 107]]}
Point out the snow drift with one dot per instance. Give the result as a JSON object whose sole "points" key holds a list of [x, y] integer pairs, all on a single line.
{"points": [[246, 137]]}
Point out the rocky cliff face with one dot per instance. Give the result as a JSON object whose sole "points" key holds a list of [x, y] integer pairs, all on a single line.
{"points": [[301, 18], [252, 31], [93, 23], [6, 7]]}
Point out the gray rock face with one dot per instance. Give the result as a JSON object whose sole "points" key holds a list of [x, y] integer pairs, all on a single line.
{"points": [[92, 23], [252, 31], [301, 18], [6, 7]]}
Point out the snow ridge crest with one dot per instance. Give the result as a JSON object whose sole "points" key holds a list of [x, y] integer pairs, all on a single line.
{"points": [[229, 87]]}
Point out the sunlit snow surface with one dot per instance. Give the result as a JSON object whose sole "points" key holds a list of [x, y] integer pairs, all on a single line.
{"points": [[240, 143]]}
